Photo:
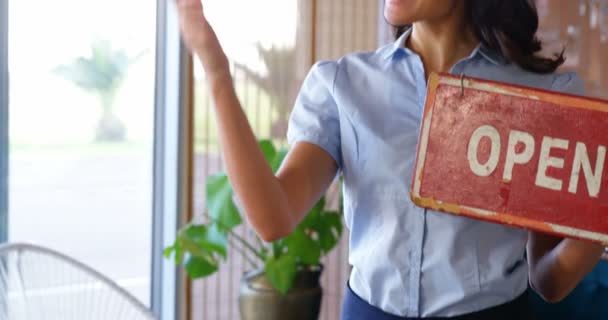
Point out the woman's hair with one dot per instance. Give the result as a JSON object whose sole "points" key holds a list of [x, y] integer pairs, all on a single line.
{"points": [[509, 27]]}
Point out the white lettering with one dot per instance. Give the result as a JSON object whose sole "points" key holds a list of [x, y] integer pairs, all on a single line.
{"points": [[484, 170], [581, 160], [513, 157], [546, 161]]}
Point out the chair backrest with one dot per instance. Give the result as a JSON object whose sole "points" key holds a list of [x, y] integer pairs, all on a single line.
{"points": [[39, 283]]}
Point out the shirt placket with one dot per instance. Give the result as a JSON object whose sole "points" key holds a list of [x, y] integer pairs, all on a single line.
{"points": [[420, 214]]}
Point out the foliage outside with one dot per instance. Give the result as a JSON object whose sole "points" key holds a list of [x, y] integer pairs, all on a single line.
{"points": [[102, 74], [278, 81]]}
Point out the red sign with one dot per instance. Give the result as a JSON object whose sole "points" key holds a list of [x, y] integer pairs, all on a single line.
{"points": [[513, 155]]}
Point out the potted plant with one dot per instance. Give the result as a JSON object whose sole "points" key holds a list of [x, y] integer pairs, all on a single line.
{"points": [[287, 285]]}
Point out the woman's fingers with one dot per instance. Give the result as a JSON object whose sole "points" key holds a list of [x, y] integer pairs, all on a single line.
{"points": [[194, 4], [191, 11], [194, 26], [200, 37]]}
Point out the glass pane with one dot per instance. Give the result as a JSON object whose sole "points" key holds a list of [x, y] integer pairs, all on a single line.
{"points": [[81, 132], [268, 64], [271, 50]]}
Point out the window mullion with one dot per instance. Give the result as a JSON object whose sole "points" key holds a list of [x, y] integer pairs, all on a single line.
{"points": [[4, 131], [172, 162]]}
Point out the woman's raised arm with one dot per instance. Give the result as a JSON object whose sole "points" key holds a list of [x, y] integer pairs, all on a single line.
{"points": [[273, 205]]}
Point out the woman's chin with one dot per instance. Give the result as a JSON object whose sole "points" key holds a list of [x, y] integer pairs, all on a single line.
{"points": [[396, 15], [394, 20]]}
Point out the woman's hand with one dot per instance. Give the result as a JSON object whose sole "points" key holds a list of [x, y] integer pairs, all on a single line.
{"points": [[201, 39]]}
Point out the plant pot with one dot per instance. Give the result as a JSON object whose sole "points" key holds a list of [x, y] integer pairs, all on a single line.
{"points": [[258, 300], [110, 129]]}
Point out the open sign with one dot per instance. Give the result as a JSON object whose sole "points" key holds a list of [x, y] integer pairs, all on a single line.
{"points": [[526, 143], [513, 155]]}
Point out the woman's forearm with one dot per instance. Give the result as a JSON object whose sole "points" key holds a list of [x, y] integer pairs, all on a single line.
{"points": [[256, 186], [559, 270], [259, 191]]}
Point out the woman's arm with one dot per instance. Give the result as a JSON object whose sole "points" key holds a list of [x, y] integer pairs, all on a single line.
{"points": [[557, 265], [273, 205]]}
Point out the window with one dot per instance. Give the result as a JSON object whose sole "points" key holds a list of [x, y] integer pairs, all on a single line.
{"points": [[99, 113], [271, 45], [82, 132]]}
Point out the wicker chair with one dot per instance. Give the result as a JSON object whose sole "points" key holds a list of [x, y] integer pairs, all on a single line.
{"points": [[38, 283]]}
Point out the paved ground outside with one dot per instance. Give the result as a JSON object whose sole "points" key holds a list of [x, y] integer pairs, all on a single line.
{"points": [[93, 207]]}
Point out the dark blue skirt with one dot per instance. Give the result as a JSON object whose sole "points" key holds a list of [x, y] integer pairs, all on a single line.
{"points": [[355, 308]]}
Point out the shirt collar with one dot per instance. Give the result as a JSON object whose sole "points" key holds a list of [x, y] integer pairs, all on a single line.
{"points": [[481, 50], [398, 45]]}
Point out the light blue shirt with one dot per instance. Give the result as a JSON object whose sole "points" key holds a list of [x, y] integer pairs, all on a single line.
{"points": [[365, 111]]}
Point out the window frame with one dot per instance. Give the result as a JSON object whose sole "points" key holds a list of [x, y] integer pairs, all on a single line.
{"points": [[4, 129], [172, 187]]}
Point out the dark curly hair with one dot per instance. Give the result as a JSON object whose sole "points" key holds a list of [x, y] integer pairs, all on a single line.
{"points": [[509, 27]]}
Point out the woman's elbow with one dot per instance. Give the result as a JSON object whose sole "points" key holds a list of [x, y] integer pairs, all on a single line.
{"points": [[551, 296], [275, 231], [271, 235], [550, 292]]}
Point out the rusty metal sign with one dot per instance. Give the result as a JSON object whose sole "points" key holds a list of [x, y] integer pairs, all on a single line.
{"points": [[513, 155]]}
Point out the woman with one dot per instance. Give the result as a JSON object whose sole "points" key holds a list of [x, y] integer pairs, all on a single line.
{"points": [[361, 115]]}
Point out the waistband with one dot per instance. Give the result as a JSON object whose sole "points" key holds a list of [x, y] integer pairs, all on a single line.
{"points": [[355, 308]]}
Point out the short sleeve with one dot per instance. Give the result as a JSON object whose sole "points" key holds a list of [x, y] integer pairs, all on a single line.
{"points": [[315, 117], [569, 83]]}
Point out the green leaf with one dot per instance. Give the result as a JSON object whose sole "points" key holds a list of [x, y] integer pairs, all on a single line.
{"points": [[313, 217], [168, 251], [175, 248], [201, 240], [333, 219], [278, 247], [301, 246], [268, 149], [281, 272], [330, 230], [220, 204], [199, 267], [263, 251], [179, 252]]}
